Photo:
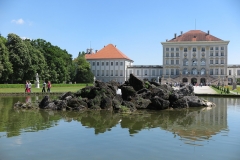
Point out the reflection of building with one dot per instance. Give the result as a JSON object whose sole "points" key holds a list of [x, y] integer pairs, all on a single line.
{"points": [[205, 123], [194, 57]]}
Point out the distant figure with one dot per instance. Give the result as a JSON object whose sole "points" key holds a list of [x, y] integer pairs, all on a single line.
{"points": [[26, 87], [29, 86], [49, 86], [44, 87]]}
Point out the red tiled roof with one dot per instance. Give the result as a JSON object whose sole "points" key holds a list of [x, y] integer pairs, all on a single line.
{"points": [[108, 52], [195, 35]]}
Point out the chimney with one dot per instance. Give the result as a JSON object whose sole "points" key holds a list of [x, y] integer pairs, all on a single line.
{"points": [[115, 45], [166, 40], [175, 35], [96, 51], [104, 46], [181, 32], [208, 32]]}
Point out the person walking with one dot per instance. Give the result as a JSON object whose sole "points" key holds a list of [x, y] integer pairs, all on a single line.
{"points": [[49, 86], [44, 87], [30, 86], [26, 87]]}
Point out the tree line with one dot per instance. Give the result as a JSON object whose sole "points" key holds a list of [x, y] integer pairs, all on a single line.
{"points": [[21, 59]]}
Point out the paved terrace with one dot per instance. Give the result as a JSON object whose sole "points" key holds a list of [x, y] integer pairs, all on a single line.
{"points": [[204, 90]]}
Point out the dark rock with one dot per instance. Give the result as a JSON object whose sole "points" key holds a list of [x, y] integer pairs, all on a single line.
{"points": [[106, 103], [136, 83], [64, 95], [127, 92], [141, 103], [129, 105], [44, 102], [159, 103], [195, 101], [179, 103]]}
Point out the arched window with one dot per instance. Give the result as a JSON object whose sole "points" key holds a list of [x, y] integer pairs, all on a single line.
{"points": [[203, 71], [185, 71], [194, 62], [194, 71], [185, 62], [203, 62]]}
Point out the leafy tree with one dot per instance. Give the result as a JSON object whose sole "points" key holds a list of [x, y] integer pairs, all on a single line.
{"points": [[5, 65], [19, 57], [83, 70]]}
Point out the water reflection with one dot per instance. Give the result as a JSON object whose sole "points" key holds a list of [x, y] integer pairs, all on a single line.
{"points": [[189, 125]]}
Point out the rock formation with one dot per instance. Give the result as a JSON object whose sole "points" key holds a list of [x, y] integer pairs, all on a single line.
{"points": [[136, 94]]}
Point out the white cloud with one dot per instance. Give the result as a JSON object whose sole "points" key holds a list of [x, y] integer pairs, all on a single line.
{"points": [[19, 21]]}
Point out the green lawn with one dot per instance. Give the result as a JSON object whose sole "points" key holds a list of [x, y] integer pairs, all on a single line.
{"points": [[38, 90]]}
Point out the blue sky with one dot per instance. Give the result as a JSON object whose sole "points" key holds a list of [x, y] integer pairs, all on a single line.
{"points": [[137, 27]]}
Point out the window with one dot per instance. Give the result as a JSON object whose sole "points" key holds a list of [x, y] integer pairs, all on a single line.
{"points": [[121, 72], [238, 72], [203, 49], [216, 61], [216, 71], [106, 63], [177, 49], [222, 71], [121, 63], [203, 62], [102, 63], [211, 61], [222, 53], [194, 71], [216, 48], [222, 48], [116, 63], [230, 72], [167, 49], [211, 48], [211, 54], [222, 61], [107, 72], [102, 72], [203, 71], [97, 63], [194, 49], [185, 49], [177, 71], [185, 62], [111, 72], [167, 54], [167, 72], [172, 54], [211, 71], [166, 61], [172, 49], [172, 71], [116, 73], [177, 54], [185, 71], [172, 61], [93, 63], [194, 62], [153, 72], [216, 54], [177, 61], [137, 72], [111, 63], [145, 72], [97, 72]]}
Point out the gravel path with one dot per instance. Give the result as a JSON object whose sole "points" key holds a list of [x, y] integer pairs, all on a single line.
{"points": [[204, 89]]}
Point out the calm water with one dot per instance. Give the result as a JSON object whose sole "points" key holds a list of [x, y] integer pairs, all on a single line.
{"points": [[185, 134]]}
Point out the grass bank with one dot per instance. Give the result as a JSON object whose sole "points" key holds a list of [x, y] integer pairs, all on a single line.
{"points": [[20, 88]]}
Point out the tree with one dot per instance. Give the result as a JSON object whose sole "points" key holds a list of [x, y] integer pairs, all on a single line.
{"points": [[19, 57], [83, 70], [5, 65]]}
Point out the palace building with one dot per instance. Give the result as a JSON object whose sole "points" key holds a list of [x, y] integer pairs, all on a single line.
{"points": [[191, 57]]}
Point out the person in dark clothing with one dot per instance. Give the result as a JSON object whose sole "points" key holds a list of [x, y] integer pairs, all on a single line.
{"points": [[44, 87]]}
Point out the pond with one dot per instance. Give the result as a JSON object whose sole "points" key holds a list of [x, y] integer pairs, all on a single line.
{"points": [[194, 133]]}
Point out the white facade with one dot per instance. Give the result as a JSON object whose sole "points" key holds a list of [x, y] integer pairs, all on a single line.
{"points": [[110, 69]]}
